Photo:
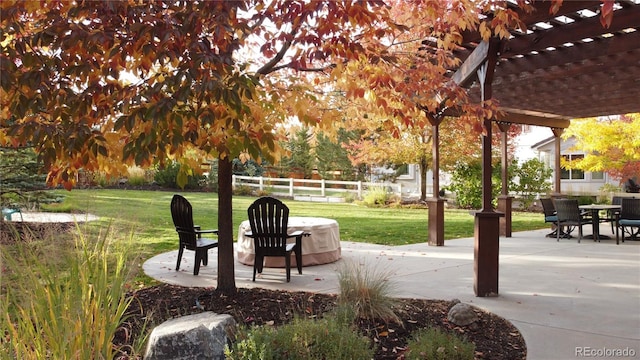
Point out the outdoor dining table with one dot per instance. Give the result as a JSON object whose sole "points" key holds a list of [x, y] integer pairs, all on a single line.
{"points": [[322, 246], [595, 218]]}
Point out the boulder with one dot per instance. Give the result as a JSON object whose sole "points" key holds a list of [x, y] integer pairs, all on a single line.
{"points": [[199, 336], [462, 314]]}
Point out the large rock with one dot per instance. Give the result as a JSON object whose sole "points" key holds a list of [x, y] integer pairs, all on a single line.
{"points": [[462, 314], [200, 336]]}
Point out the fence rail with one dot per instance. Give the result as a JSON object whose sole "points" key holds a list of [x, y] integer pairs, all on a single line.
{"points": [[309, 187]]}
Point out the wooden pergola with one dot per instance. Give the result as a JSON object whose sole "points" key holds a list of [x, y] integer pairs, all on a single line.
{"points": [[565, 65]]}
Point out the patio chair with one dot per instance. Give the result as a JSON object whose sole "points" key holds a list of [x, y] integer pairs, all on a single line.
{"points": [[7, 213], [629, 218], [550, 215], [269, 218], [569, 215], [190, 235], [612, 215]]}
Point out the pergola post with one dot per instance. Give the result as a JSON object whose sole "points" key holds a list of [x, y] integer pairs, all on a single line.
{"points": [[487, 221], [505, 202], [557, 190], [436, 203]]}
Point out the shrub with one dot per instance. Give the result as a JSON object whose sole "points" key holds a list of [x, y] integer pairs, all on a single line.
{"points": [[265, 192], [137, 176], [376, 195], [430, 343], [243, 190], [349, 197], [168, 177], [332, 337], [368, 291], [70, 314], [466, 183], [533, 179]]}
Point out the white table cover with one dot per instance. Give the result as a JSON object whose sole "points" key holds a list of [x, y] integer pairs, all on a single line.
{"points": [[321, 247]]}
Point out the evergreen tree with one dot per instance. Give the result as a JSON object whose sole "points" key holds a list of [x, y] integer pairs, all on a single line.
{"points": [[301, 159], [22, 179]]}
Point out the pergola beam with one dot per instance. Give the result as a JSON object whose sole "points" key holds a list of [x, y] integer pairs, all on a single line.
{"points": [[540, 13], [598, 49], [569, 33], [516, 116]]}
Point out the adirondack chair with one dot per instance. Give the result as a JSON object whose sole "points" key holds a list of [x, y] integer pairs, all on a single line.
{"points": [[269, 218], [190, 235]]}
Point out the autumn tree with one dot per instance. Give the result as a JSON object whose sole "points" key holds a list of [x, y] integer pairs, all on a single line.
{"points": [[332, 154], [393, 97], [102, 85], [611, 145]]}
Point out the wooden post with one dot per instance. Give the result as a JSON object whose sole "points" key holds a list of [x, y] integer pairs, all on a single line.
{"points": [[487, 220], [557, 132], [505, 202], [436, 204]]}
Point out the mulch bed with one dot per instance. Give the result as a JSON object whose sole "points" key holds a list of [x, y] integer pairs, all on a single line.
{"points": [[493, 336]]}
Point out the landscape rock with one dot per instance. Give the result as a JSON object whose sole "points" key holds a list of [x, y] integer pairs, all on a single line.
{"points": [[462, 314], [199, 336]]}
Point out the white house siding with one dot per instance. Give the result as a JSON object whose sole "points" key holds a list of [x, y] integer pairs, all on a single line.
{"points": [[589, 185]]}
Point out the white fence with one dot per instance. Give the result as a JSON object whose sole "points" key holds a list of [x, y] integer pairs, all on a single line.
{"points": [[312, 188]]}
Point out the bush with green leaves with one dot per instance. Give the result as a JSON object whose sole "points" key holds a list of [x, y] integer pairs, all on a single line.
{"points": [[247, 168], [168, 177], [376, 196], [532, 178], [331, 337], [431, 343], [527, 180], [466, 183], [71, 314]]}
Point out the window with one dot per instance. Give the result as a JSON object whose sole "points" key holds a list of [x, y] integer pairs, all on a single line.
{"points": [[402, 170], [571, 174], [597, 175]]}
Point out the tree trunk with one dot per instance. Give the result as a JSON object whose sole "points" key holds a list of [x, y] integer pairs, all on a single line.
{"points": [[226, 271], [423, 178]]}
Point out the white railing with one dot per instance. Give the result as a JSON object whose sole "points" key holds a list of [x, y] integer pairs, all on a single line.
{"points": [[308, 187]]}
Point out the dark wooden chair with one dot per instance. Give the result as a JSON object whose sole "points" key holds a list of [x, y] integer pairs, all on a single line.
{"points": [[550, 215], [569, 215], [629, 218], [612, 215], [269, 218], [190, 235]]}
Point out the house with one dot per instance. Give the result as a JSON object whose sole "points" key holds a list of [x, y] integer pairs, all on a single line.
{"points": [[572, 181]]}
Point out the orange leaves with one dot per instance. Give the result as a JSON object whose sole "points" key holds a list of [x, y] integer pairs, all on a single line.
{"points": [[606, 13], [485, 31], [555, 6], [355, 92]]}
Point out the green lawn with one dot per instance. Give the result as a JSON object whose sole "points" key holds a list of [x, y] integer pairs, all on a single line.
{"points": [[146, 214]]}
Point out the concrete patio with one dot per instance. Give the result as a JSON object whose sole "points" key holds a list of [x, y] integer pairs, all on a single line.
{"points": [[568, 299]]}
